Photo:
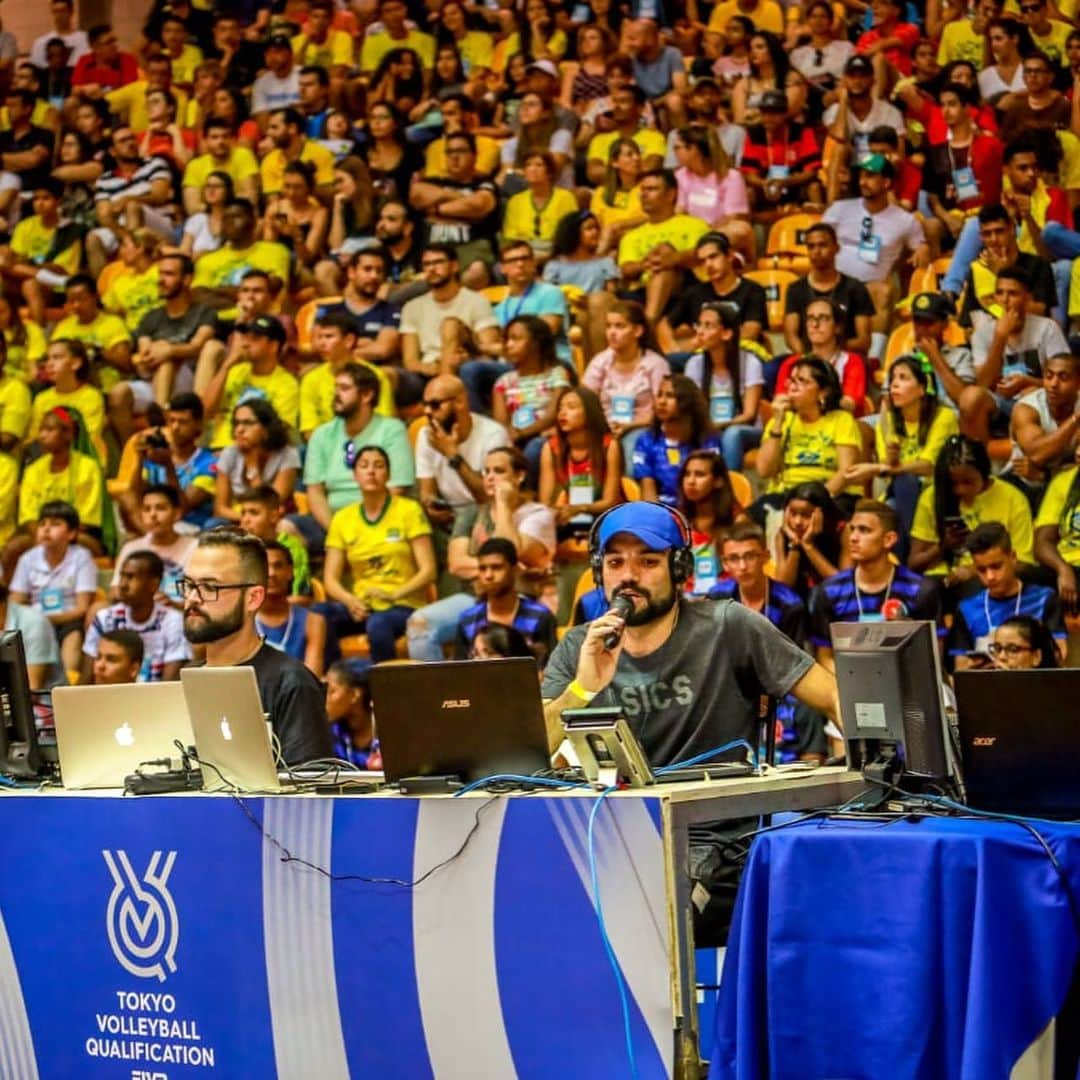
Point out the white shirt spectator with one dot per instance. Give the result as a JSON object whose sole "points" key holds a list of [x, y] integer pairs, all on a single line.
{"points": [[75, 41], [423, 316], [54, 588], [268, 92], [162, 635], [821, 64], [1040, 338], [486, 435], [869, 253], [881, 114]]}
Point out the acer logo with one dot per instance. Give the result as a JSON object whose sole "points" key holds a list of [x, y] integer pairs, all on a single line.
{"points": [[457, 703], [984, 740]]}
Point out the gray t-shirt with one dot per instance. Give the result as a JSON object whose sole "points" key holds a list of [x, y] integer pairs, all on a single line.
{"points": [[1039, 339], [701, 688]]}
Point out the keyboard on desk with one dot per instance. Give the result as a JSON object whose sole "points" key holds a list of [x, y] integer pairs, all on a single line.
{"points": [[725, 770]]}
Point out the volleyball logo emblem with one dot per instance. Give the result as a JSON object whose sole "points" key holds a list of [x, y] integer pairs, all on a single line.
{"points": [[893, 609], [141, 918]]}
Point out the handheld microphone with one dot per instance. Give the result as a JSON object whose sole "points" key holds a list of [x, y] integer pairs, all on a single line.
{"points": [[623, 606]]}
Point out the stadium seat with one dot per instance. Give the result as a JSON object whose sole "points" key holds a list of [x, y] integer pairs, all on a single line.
{"points": [[775, 283], [631, 489], [127, 470], [740, 488], [495, 293], [902, 340], [318, 590], [300, 500], [785, 248], [305, 319], [414, 430]]}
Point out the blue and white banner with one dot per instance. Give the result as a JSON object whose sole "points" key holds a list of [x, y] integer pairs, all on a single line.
{"points": [[169, 938]]}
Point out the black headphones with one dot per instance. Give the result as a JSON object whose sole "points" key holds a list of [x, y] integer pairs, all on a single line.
{"points": [[680, 559]]}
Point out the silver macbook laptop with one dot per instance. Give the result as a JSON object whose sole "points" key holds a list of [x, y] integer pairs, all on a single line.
{"points": [[104, 733], [232, 736]]}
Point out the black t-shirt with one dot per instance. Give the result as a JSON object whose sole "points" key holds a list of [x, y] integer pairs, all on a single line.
{"points": [[296, 705], [747, 296], [850, 294], [466, 232], [159, 325], [1038, 273], [36, 136]]}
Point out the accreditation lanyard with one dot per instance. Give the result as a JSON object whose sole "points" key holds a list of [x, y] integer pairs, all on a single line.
{"points": [[858, 598], [990, 627]]}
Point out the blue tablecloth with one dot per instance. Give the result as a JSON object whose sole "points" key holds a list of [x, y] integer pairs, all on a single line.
{"points": [[922, 948]]}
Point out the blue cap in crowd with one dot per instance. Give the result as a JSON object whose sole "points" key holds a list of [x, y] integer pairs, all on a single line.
{"points": [[654, 525]]}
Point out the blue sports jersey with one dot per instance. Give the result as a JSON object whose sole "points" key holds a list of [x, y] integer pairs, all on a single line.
{"points": [[532, 620], [837, 600], [660, 458], [980, 615]]}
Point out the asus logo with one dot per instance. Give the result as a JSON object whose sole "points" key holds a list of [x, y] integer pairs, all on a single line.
{"points": [[457, 703], [984, 740]]}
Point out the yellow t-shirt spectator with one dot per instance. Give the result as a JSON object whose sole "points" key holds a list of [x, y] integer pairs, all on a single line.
{"points": [[942, 427], [377, 45], [1052, 512], [317, 395], [184, 65], [280, 388], [23, 357], [1000, 502], [1053, 44], [378, 552], [523, 221], [226, 267], [79, 484], [273, 165], [132, 295], [14, 406], [810, 450], [651, 144], [32, 240], [475, 49], [627, 206], [103, 333], [335, 51], [87, 399], [9, 496], [960, 42], [240, 166], [768, 15], [487, 157], [556, 49], [40, 117], [681, 231], [130, 102]]}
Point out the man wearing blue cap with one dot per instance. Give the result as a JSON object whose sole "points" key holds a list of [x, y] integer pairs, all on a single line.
{"points": [[687, 675]]}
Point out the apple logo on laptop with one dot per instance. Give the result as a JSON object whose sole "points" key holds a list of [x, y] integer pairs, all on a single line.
{"points": [[226, 731], [124, 735]]}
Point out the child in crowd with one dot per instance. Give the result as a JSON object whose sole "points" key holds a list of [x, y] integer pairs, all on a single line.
{"points": [[261, 514], [160, 510]]}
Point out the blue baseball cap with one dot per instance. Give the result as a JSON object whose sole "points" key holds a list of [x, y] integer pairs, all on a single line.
{"points": [[651, 523]]}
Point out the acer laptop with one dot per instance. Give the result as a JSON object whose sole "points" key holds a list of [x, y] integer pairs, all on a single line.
{"points": [[232, 735], [1020, 741], [465, 718], [104, 733]]}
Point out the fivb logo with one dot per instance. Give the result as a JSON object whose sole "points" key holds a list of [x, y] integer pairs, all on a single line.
{"points": [[141, 918]]}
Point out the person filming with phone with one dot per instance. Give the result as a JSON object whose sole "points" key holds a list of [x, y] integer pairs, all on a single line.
{"points": [[450, 451]]}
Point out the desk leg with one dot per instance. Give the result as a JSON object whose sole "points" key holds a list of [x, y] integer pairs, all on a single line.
{"points": [[680, 915]]}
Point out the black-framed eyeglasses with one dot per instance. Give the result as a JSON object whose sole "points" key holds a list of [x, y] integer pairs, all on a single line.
{"points": [[997, 649], [433, 403], [208, 591], [867, 230], [1036, 70]]}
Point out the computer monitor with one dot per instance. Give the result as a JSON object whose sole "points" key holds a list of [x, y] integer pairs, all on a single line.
{"points": [[888, 675], [19, 754]]}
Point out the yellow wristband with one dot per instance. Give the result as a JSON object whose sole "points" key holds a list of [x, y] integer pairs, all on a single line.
{"points": [[581, 693]]}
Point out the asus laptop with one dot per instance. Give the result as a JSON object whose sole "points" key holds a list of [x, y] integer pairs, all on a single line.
{"points": [[465, 718]]}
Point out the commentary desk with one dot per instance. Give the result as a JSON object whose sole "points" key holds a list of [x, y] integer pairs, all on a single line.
{"points": [[184, 936]]}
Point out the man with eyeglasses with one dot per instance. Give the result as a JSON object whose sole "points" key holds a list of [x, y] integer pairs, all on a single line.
{"points": [[873, 233], [104, 67], [224, 588], [744, 555], [461, 210], [1002, 596], [328, 465], [1040, 106], [222, 155], [1049, 35], [449, 324], [451, 448]]}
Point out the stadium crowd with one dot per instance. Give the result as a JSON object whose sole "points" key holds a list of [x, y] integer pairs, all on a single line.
{"points": [[414, 292]]}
